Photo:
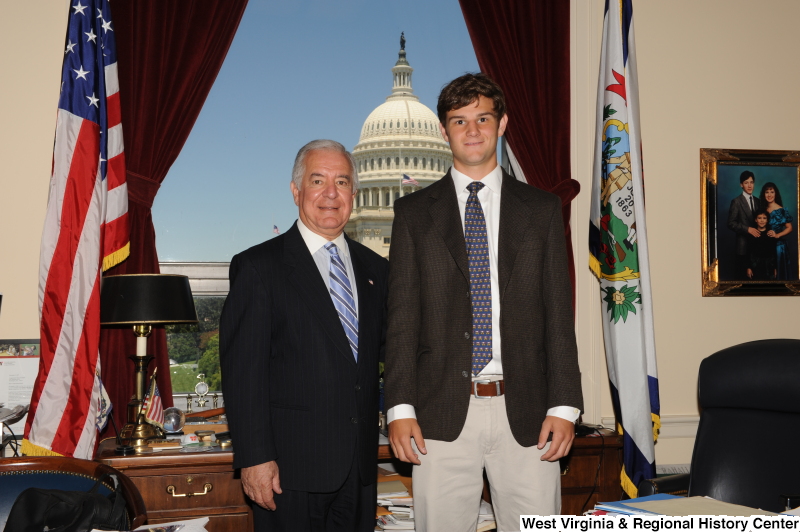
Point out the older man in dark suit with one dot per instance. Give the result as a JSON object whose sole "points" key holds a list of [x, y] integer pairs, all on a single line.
{"points": [[301, 334], [478, 260], [741, 221]]}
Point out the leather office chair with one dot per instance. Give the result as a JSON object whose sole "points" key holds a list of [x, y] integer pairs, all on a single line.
{"points": [[57, 472], [747, 449]]}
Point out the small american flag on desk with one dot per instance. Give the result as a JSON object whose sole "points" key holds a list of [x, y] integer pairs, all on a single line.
{"points": [[152, 407]]}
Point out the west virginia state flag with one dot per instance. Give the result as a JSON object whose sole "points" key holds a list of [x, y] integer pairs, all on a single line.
{"points": [[618, 248]]}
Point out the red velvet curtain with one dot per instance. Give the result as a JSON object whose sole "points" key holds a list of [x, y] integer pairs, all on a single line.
{"points": [[168, 54], [524, 46]]}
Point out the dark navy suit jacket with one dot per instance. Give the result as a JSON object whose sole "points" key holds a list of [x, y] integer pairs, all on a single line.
{"points": [[293, 390]]}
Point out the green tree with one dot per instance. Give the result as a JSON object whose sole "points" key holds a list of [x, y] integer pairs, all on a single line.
{"points": [[183, 346], [187, 342], [209, 364]]}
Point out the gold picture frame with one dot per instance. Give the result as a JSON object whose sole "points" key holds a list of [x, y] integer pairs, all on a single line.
{"points": [[735, 261]]}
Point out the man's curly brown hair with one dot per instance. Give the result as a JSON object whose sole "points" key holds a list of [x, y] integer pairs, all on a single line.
{"points": [[465, 90]]}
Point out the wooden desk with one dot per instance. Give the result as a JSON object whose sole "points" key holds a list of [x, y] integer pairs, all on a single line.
{"points": [[579, 471], [580, 468], [203, 484]]}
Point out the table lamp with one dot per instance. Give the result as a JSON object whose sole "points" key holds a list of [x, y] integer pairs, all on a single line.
{"points": [[144, 300]]}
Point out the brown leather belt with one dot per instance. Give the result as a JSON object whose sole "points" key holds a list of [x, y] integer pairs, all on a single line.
{"points": [[486, 388]]}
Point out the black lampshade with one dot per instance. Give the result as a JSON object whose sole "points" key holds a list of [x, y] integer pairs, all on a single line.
{"points": [[146, 298]]}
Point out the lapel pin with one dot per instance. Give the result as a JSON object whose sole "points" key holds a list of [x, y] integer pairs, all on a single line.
{"points": [[370, 281]]}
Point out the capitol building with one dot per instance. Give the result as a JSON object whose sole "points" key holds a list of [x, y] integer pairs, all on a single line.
{"points": [[399, 138]]}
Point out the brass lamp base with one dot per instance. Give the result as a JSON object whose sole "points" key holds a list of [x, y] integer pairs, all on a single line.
{"points": [[138, 434]]}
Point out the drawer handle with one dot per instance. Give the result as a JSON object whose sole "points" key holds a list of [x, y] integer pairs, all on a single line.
{"points": [[171, 489]]}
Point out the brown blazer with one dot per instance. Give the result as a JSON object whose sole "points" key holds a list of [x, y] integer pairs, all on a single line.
{"points": [[429, 346]]}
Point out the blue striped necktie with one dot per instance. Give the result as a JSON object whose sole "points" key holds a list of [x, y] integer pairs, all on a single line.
{"points": [[342, 296], [480, 287]]}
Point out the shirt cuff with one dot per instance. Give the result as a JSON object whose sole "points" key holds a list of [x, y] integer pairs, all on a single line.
{"points": [[401, 412], [565, 412]]}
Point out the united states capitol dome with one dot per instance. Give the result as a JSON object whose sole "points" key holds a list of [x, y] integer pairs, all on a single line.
{"points": [[400, 150]]}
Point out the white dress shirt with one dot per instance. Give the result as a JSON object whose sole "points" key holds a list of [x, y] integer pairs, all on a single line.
{"points": [[489, 196], [749, 199], [322, 257]]}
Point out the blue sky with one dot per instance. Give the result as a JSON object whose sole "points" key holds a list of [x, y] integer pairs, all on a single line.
{"points": [[297, 70]]}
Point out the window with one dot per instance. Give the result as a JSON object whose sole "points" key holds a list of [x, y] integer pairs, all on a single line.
{"points": [[387, 240], [194, 349], [201, 179], [387, 199]]}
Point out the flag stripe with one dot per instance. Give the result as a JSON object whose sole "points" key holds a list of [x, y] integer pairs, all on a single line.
{"points": [[115, 144], [83, 374], [70, 349], [114, 239], [117, 204]]}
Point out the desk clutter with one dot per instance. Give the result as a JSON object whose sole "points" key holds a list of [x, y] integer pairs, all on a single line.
{"points": [[395, 504], [673, 505]]}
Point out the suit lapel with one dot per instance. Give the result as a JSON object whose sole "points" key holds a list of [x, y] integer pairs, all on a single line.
{"points": [[515, 216], [304, 275], [447, 218]]}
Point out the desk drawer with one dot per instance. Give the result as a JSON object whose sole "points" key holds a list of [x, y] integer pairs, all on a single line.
{"points": [[189, 491], [579, 471]]}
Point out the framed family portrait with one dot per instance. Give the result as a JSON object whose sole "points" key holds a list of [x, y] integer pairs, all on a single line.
{"points": [[750, 201]]}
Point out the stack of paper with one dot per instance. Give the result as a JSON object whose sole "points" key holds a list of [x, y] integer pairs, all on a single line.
{"points": [[625, 508], [396, 506], [395, 522], [188, 525], [685, 506], [672, 505]]}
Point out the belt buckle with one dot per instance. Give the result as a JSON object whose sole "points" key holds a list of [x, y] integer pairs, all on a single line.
{"points": [[484, 381]]}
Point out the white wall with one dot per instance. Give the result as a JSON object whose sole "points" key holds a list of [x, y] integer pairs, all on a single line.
{"points": [[30, 65], [712, 74]]}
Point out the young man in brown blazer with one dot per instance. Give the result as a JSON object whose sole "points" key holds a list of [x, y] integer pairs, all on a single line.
{"points": [[481, 361]]}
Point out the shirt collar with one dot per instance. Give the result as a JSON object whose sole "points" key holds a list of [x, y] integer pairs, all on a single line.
{"points": [[746, 195], [314, 241], [493, 180]]}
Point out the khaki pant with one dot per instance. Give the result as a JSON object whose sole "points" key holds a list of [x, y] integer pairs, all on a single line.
{"points": [[449, 482]]}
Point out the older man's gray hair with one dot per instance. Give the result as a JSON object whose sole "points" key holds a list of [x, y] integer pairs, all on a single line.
{"points": [[331, 145]]}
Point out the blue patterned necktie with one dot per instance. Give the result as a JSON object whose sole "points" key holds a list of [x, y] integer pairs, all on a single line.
{"points": [[479, 279], [342, 296]]}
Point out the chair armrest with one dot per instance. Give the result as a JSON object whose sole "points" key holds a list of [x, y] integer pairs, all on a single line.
{"points": [[672, 484]]}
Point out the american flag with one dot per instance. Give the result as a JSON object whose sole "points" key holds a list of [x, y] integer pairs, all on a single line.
{"points": [[276, 230], [408, 180], [152, 407], [85, 232]]}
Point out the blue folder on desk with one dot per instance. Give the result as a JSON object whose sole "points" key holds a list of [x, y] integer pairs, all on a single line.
{"points": [[621, 507]]}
